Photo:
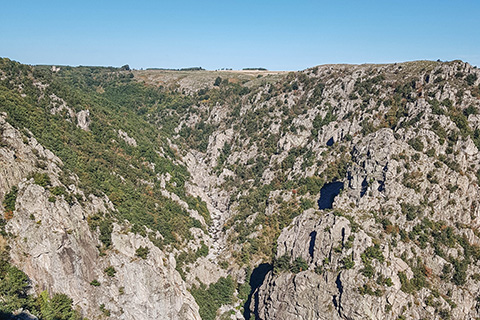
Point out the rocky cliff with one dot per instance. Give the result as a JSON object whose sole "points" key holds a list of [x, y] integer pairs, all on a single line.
{"points": [[52, 242], [337, 192]]}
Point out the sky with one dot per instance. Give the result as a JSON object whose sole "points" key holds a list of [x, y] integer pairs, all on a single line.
{"points": [[273, 34]]}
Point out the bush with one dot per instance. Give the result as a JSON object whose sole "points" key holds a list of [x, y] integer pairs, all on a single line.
{"points": [[202, 251], [416, 143], [104, 225], [95, 283], [406, 287], [471, 78], [10, 199], [42, 179], [373, 252], [58, 190], [59, 307], [110, 271], [142, 252], [14, 285], [211, 298], [299, 264], [368, 271], [460, 274], [348, 263], [281, 264], [410, 211]]}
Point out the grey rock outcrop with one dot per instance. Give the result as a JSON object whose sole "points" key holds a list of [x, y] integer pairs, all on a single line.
{"points": [[129, 140], [54, 245], [83, 120]]}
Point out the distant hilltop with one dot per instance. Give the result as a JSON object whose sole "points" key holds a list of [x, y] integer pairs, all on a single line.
{"points": [[181, 69]]}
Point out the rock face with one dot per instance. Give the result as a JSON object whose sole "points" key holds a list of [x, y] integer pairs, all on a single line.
{"points": [[57, 249], [245, 162], [83, 120], [129, 140]]}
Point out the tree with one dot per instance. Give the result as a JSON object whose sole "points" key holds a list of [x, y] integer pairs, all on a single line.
{"points": [[59, 307]]}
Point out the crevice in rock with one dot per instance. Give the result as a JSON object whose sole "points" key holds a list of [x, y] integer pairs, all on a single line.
{"points": [[256, 280], [313, 236], [334, 301], [381, 186], [338, 304], [364, 187]]}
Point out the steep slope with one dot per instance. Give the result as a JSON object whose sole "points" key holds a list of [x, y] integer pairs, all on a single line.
{"points": [[337, 192], [400, 140], [52, 240]]}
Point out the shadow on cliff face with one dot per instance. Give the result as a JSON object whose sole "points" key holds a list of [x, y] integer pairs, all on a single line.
{"points": [[256, 280], [328, 193], [20, 316]]}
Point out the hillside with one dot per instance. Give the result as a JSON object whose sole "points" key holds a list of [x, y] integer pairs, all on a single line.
{"points": [[337, 192]]}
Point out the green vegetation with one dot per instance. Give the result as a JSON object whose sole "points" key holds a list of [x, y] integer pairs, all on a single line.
{"points": [[103, 167], [110, 271], [42, 179], [14, 287], [102, 223], [320, 121], [104, 310], [95, 283], [348, 262], [211, 298], [142, 252], [416, 144], [471, 78], [284, 264], [10, 199], [59, 307], [373, 252]]}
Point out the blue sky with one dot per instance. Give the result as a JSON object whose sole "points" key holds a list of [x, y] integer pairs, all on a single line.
{"points": [[275, 34]]}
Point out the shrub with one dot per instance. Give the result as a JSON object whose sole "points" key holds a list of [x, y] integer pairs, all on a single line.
{"points": [[58, 190], [373, 252], [211, 298], [348, 262], [95, 283], [10, 199], [110, 271], [104, 310], [142, 252], [281, 264], [104, 225], [388, 282], [202, 251], [410, 211], [59, 307], [42, 179], [471, 78], [14, 285], [460, 271], [299, 264], [368, 271], [416, 143], [406, 287]]}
